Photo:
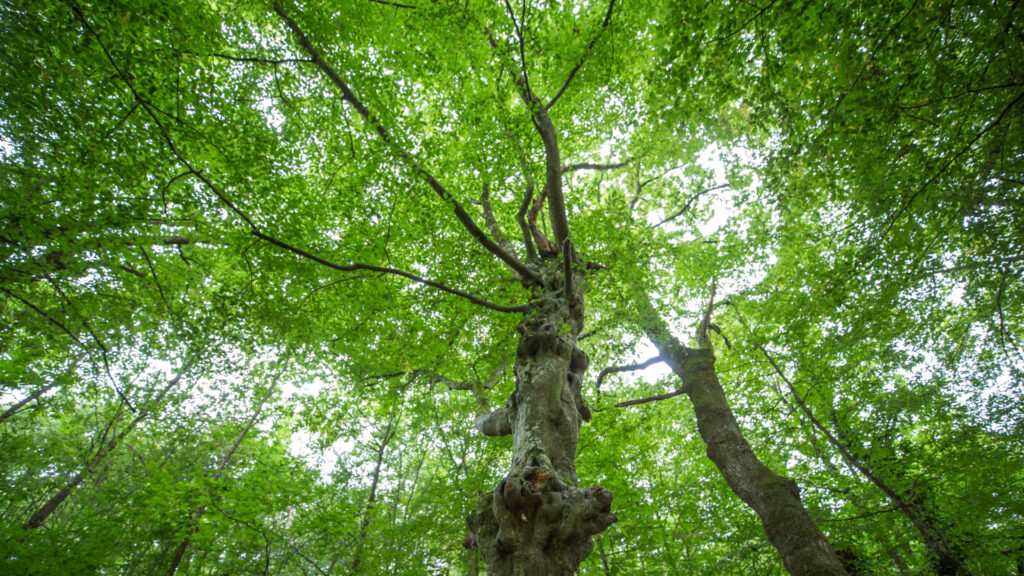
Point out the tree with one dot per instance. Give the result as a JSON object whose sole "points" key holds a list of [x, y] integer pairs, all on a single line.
{"points": [[478, 201]]}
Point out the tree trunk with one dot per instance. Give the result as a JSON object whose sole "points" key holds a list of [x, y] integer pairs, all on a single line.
{"points": [[43, 513], [774, 498], [200, 511], [948, 561], [364, 524], [21, 403], [538, 521]]}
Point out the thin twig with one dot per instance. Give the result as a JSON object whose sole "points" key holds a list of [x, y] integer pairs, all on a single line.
{"points": [[689, 202], [583, 58]]}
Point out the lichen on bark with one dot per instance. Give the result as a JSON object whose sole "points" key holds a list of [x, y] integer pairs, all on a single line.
{"points": [[538, 520]]}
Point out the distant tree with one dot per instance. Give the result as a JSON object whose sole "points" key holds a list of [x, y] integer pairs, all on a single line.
{"points": [[436, 208]]}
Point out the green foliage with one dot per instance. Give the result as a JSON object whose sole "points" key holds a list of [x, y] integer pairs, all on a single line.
{"points": [[846, 176]]}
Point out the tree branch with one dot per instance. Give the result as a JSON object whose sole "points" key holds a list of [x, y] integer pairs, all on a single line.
{"points": [[552, 165], [689, 202], [568, 259], [384, 270], [906, 205], [394, 4], [544, 245], [626, 368], [657, 398], [524, 206], [434, 376], [349, 96], [597, 167], [497, 423], [251, 59], [492, 222], [49, 318], [254, 229], [583, 58], [552, 172], [522, 42]]}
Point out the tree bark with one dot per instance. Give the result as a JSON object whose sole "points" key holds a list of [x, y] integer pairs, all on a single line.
{"points": [[948, 561], [538, 521], [774, 498]]}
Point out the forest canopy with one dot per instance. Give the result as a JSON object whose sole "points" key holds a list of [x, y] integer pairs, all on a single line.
{"points": [[537, 287]]}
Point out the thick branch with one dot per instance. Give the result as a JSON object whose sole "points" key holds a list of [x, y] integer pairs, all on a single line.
{"points": [[349, 96], [625, 368], [583, 58], [497, 423], [775, 498], [651, 398], [552, 165], [524, 206], [384, 270], [552, 172], [545, 246], [492, 223]]}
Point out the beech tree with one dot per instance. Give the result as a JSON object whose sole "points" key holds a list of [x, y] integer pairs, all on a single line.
{"points": [[377, 287]]}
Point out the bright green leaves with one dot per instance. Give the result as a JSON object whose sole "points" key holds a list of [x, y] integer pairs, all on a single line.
{"points": [[846, 176]]}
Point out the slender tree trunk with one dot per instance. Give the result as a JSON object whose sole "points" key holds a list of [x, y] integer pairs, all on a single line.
{"points": [[949, 562], [604, 560], [43, 513], [896, 557], [538, 521], [21, 403], [199, 511], [774, 498], [364, 524]]}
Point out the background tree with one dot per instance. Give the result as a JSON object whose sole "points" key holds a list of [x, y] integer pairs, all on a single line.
{"points": [[442, 208]]}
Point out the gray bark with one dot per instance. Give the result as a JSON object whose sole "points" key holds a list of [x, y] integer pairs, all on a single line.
{"points": [[538, 521], [774, 498]]}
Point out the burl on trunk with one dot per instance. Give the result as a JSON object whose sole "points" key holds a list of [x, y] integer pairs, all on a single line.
{"points": [[538, 521]]}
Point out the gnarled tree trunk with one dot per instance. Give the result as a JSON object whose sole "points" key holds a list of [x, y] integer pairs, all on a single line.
{"points": [[538, 521]]}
